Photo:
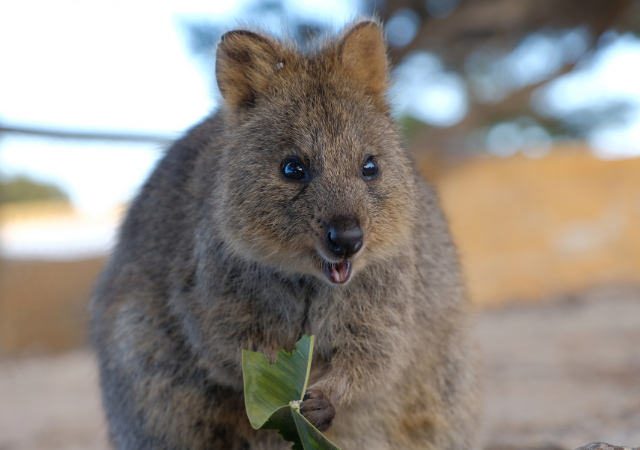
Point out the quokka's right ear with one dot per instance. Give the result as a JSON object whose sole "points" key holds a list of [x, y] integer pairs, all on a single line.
{"points": [[245, 62]]}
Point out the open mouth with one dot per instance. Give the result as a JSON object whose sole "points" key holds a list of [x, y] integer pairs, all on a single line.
{"points": [[338, 272]]}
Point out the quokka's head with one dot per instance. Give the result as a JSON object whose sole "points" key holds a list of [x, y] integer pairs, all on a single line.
{"points": [[313, 178]]}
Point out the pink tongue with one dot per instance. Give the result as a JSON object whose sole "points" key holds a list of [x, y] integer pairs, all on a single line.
{"points": [[340, 272]]}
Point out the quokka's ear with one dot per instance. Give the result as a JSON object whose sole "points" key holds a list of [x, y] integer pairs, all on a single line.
{"points": [[245, 62], [363, 57]]}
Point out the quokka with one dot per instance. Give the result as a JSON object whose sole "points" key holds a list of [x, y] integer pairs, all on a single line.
{"points": [[292, 210]]}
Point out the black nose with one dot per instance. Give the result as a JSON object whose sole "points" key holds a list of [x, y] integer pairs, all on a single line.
{"points": [[344, 237]]}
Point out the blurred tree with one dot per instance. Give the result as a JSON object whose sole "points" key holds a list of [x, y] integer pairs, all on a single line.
{"points": [[495, 55], [480, 40], [458, 28], [21, 188]]}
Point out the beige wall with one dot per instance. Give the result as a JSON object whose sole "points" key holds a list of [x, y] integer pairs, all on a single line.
{"points": [[533, 228], [43, 304]]}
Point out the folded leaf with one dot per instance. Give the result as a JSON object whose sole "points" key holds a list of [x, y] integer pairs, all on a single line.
{"points": [[273, 394]]}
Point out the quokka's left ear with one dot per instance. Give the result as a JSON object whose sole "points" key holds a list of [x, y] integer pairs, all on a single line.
{"points": [[363, 58]]}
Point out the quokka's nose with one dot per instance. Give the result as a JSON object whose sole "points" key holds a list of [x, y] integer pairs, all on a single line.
{"points": [[344, 237]]}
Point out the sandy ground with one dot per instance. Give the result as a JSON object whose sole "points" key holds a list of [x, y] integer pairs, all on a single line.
{"points": [[557, 375], [563, 374]]}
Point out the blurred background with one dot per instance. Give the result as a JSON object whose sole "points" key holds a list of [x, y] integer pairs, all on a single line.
{"points": [[525, 114]]}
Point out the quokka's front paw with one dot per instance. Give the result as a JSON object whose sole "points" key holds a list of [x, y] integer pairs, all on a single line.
{"points": [[317, 409]]}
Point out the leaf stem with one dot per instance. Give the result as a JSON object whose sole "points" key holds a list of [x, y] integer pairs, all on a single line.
{"points": [[306, 379]]}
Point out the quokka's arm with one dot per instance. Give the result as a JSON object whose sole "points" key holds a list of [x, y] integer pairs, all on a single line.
{"points": [[365, 346]]}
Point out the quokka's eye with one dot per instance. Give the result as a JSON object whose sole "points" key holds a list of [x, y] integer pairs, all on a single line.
{"points": [[369, 169], [293, 169]]}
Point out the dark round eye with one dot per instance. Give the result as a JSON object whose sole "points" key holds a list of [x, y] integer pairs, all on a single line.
{"points": [[369, 169], [293, 169]]}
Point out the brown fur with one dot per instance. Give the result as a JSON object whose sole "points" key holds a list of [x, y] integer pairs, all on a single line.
{"points": [[220, 253]]}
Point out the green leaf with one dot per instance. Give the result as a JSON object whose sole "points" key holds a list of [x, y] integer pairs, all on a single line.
{"points": [[273, 394], [268, 388]]}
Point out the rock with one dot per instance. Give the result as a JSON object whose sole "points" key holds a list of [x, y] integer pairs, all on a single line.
{"points": [[603, 446]]}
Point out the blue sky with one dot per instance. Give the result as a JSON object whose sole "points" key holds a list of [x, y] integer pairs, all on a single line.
{"points": [[124, 65]]}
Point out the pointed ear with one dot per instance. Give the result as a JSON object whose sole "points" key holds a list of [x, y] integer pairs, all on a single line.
{"points": [[245, 62], [363, 57]]}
